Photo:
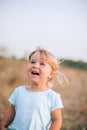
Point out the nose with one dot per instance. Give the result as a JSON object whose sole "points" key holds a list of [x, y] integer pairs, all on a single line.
{"points": [[36, 65]]}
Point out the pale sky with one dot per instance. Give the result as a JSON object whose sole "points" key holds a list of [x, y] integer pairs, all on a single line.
{"points": [[60, 26]]}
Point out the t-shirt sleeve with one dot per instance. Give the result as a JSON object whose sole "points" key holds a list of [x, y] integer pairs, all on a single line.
{"points": [[12, 98], [57, 102]]}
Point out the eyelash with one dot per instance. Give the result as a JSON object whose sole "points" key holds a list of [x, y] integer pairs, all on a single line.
{"points": [[42, 64], [33, 62]]}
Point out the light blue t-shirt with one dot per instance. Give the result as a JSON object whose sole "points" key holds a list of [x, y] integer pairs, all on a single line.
{"points": [[33, 109]]}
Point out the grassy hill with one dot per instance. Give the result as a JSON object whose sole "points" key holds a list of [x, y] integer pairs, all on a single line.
{"points": [[75, 64], [74, 95]]}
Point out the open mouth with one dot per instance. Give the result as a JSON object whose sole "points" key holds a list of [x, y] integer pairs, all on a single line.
{"points": [[35, 73]]}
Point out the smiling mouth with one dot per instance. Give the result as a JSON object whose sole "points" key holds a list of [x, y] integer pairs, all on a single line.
{"points": [[35, 73]]}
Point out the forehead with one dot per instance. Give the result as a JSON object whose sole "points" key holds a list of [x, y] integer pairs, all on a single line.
{"points": [[38, 55]]}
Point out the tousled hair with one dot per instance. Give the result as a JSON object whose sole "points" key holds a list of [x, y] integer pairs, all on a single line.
{"points": [[59, 77], [50, 59]]}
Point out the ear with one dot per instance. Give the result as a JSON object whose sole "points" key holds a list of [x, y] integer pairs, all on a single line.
{"points": [[51, 75]]}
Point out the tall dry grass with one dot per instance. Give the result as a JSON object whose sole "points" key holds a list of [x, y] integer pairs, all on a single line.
{"points": [[74, 95]]}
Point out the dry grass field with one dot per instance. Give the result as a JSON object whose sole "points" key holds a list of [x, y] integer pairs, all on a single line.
{"points": [[74, 94]]}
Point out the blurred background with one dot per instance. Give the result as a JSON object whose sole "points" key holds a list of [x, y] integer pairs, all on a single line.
{"points": [[61, 28]]}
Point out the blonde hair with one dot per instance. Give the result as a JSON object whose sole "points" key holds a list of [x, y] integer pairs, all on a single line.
{"points": [[58, 77]]}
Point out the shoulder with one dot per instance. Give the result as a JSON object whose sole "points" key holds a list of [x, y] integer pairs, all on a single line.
{"points": [[56, 101], [19, 88], [54, 94]]}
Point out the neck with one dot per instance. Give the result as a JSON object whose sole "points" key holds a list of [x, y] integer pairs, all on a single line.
{"points": [[38, 87]]}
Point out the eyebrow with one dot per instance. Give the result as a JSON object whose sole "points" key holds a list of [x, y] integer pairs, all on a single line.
{"points": [[41, 60]]}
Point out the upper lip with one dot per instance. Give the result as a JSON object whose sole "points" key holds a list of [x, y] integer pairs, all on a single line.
{"points": [[35, 72]]}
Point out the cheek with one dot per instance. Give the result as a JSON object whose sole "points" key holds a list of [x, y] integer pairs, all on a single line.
{"points": [[47, 73], [28, 67]]}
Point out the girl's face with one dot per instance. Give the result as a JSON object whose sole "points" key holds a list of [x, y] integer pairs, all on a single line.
{"points": [[39, 71]]}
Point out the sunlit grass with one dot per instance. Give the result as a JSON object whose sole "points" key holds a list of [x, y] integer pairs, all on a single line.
{"points": [[74, 95]]}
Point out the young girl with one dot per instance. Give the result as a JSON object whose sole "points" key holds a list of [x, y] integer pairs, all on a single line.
{"points": [[36, 107]]}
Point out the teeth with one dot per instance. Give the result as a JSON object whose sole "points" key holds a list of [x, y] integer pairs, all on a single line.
{"points": [[35, 73]]}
